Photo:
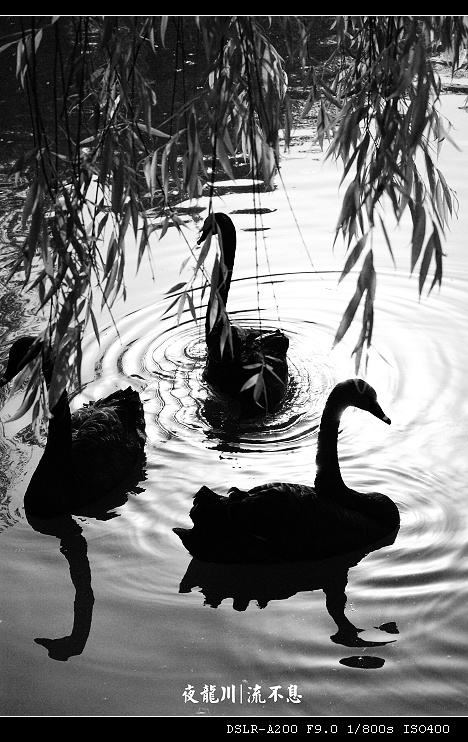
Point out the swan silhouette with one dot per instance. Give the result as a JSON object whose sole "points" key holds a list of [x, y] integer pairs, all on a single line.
{"points": [[88, 453], [282, 522], [245, 363]]}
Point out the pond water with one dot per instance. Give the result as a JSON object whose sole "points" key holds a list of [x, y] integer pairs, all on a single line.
{"points": [[113, 617]]}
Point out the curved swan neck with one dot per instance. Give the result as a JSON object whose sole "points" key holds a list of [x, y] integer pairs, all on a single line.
{"points": [[328, 467], [59, 435], [228, 243], [227, 246]]}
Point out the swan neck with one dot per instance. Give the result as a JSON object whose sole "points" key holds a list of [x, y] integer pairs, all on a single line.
{"points": [[59, 437], [328, 467], [227, 244]]}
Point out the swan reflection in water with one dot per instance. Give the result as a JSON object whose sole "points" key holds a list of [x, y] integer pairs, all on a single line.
{"points": [[263, 583], [93, 458], [74, 547]]}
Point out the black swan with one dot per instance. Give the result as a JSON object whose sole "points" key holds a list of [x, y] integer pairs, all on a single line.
{"points": [[88, 453], [282, 522], [245, 363]]}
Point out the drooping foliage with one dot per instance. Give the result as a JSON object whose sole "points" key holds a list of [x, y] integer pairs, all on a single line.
{"points": [[387, 132], [131, 115]]}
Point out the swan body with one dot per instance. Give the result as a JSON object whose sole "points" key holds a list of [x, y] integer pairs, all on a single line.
{"points": [[235, 354], [281, 522], [88, 453]]}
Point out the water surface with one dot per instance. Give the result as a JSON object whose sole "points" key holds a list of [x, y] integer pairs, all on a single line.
{"points": [[113, 617]]}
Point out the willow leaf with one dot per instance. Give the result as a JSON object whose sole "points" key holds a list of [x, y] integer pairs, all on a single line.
{"points": [[176, 287], [118, 187], [154, 132], [30, 202], [144, 239], [273, 372], [203, 253], [111, 256], [109, 283], [348, 316], [226, 335], [123, 227], [215, 304], [419, 231], [26, 405], [348, 208], [252, 381], [447, 193], [164, 20], [366, 282], [438, 254], [94, 323], [425, 262], [191, 306], [258, 389], [64, 318], [181, 304], [354, 255], [387, 240], [224, 159], [165, 227]]}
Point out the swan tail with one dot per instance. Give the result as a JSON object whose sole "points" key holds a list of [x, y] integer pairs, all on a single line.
{"points": [[127, 405], [185, 535], [198, 545], [208, 508]]}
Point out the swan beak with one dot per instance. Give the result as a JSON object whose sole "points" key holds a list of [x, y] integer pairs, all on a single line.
{"points": [[378, 412], [204, 234]]}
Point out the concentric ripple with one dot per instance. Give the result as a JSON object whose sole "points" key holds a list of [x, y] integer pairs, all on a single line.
{"points": [[152, 629], [191, 433], [167, 358]]}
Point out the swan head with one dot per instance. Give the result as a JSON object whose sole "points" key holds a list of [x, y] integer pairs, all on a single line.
{"points": [[358, 393], [22, 352], [215, 223]]}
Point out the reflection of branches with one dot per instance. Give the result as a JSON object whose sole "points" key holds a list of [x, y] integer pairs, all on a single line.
{"points": [[263, 583], [12, 460]]}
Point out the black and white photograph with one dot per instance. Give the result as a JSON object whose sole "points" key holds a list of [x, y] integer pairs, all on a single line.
{"points": [[234, 371]]}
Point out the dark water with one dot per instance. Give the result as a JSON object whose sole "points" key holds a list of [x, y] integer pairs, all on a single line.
{"points": [[112, 617]]}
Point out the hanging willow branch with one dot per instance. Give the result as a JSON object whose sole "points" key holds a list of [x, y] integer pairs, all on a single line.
{"points": [[114, 164], [380, 114], [113, 161]]}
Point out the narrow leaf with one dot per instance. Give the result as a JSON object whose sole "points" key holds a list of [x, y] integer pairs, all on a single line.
{"points": [[387, 240], [419, 231], [250, 382], [348, 316], [176, 287], [426, 262], [354, 256]]}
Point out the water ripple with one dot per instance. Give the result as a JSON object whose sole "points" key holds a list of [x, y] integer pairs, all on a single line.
{"points": [[415, 387], [193, 439]]}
